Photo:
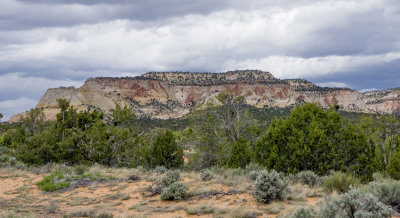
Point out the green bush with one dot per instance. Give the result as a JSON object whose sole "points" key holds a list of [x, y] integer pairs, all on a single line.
{"points": [[387, 191], [240, 154], [301, 212], [270, 186], [339, 182], [176, 191], [308, 178], [63, 178], [393, 168], [315, 139], [54, 181], [206, 175], [165, 151], [354, 204]]}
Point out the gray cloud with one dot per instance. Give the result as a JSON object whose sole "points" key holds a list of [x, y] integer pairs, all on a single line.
{"points": [[50, 13], [335, 43], [378, 76], [47, 13], [15, 85], [10, 107]]}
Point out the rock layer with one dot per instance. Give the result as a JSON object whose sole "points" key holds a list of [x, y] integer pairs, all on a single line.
{"points": [[174, 94]]}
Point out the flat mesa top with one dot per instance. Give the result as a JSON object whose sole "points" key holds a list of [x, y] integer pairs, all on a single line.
{"points": [[195, 78]]}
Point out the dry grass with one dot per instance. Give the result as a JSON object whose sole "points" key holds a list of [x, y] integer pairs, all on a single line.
{"points": [[242, 211], [300, 192], [116, 173], [127, 198]]}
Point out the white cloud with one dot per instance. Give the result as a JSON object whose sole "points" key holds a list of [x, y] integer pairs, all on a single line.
{"points": [[58, 44], [297, 67], [222, 40]]}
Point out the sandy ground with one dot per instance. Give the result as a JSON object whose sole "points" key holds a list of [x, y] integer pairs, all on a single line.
{"points": [[20, 196]]}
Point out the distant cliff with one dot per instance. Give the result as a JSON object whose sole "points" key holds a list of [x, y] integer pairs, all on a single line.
{"points": [[174, 94]]}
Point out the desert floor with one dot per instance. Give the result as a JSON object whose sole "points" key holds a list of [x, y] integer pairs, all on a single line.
{"points": [[122, 197]]}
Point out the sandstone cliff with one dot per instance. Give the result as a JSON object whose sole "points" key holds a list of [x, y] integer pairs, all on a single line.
{"points": [[174, 94]]}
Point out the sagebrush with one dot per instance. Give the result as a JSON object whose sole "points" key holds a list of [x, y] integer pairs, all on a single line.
{"points": [[270, 186]]}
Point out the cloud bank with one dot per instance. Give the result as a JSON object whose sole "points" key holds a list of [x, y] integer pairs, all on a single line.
{"points": [[51, 43]]}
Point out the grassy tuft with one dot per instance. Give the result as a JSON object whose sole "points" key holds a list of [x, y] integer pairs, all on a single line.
{"points": [[340, 182], [53, 182]]}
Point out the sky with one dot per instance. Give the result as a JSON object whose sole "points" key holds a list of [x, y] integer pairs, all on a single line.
{"points": [[335, 43]]}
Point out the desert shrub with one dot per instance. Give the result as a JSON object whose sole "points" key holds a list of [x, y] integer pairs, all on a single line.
{"points": [[229, 176], [270, 186], [169, 178], [52, 207], [12, 161], [6, 161], [11, 215], [50, 168], [378, 177], [3, 159], [339, 182], [104, 215], [388, 192], [253, 174], [254, 167], [80, 169], [4, 150], [354, 204], [160, 169], [133, 177], [242, 212], [82, 213], [200, 210], [176, 191], [301, 212], [308, 178], [206, 175], [7, 158], [53, 182]]}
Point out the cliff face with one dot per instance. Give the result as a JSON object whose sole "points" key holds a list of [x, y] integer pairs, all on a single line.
{"points": [[174, 94]]}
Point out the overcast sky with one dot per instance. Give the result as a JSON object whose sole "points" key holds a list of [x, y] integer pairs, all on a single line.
{"points": [[52, 43]]}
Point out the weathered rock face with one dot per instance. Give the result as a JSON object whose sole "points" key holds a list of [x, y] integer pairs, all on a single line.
{"points": [[174, 94], [386, 101]]}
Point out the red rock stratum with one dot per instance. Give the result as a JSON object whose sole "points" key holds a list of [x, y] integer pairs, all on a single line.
{"points": [[174, 94]]}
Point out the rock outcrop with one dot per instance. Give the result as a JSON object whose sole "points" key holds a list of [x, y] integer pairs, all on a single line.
{"points": [[174, 94]]}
